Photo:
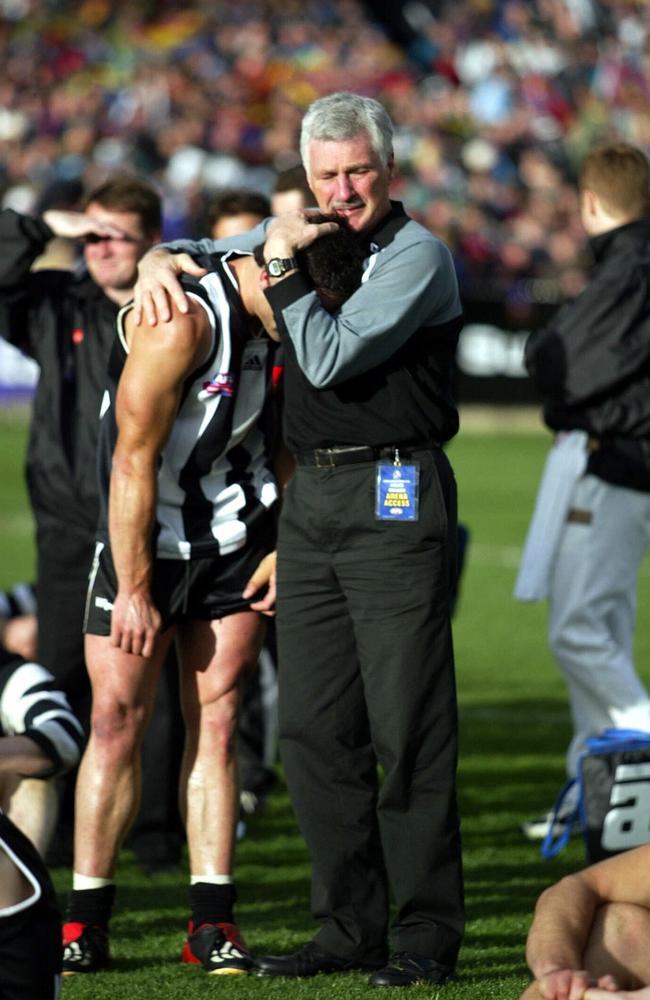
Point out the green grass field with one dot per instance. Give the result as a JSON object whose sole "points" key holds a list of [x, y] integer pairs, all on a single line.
{"points": [[514, 728]]}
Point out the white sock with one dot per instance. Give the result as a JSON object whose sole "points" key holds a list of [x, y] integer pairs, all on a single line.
{"points": [[90, 881], [212, 879]]}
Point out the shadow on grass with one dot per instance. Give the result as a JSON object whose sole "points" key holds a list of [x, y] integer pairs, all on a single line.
{"points": [[511, 763], [517, 727], [497, 889]]}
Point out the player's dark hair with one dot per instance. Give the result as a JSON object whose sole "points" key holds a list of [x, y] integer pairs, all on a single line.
{"points": [[333, 264]]}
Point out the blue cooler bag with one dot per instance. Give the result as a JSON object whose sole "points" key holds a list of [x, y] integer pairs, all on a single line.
{"points": [[613, 806]]}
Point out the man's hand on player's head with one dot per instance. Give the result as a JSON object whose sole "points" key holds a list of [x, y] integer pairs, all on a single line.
{"points": [[294, 231]]}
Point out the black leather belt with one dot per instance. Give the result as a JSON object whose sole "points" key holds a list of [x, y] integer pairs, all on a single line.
{"points": [[329, 458]]}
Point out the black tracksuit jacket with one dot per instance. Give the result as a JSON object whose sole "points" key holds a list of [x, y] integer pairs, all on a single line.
{"points": [[67, 324], [591, 364]]}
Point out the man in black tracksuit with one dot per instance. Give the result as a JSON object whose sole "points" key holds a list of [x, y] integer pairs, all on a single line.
{"points": [[592, 366], [66, 322]]}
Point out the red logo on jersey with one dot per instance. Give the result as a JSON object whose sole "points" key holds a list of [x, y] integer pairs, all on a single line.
{"points": [[77, 335]]}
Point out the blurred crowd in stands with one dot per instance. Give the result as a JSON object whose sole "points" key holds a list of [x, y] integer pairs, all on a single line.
{"points": [[495, 102]]}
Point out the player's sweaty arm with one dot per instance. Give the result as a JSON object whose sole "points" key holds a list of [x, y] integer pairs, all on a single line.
{"points": [[147, 402]]}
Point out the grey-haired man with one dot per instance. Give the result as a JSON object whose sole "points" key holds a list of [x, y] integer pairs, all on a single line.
{"points": [[365, 560]]}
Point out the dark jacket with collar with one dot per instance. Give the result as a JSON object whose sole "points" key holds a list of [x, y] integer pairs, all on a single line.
{"points": [[378, 371], [592, 362], [66, 323]]}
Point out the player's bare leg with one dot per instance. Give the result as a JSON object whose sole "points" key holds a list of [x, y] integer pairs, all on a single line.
{"points": [[214, 656], [108, 792], [108, 785]]}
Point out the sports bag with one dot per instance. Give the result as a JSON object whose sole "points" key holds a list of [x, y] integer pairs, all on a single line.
{"points": [[613, 803]]}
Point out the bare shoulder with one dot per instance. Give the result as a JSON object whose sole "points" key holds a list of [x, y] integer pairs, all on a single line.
{"points": [[182, 341], [160, 358]]}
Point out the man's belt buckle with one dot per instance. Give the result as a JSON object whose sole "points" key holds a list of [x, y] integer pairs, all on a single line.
{"points": [[324, 458]]}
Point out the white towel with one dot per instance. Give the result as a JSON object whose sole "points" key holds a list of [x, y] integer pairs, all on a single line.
{"points": [[565, 464]]}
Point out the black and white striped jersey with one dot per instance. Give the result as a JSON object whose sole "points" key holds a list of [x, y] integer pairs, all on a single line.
{"points": [[20, 600], [32, 705], [215, 482]]}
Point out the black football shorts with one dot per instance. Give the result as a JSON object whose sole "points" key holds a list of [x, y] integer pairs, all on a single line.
{"points": [[182, 590]]}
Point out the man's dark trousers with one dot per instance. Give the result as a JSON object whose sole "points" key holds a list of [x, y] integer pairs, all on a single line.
{"points": [[367, 678]]}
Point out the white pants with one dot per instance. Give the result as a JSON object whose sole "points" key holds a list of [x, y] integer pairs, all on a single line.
{"points": [[592, 610]]}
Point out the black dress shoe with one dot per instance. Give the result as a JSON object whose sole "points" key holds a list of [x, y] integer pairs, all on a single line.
{"points": [[406, 969], [307, 961]]}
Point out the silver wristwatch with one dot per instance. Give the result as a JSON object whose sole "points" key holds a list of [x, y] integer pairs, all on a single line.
{"points": [[278, 266]]}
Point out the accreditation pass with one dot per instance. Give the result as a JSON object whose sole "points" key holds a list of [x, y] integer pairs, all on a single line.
{"points": [[397, 491]]}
